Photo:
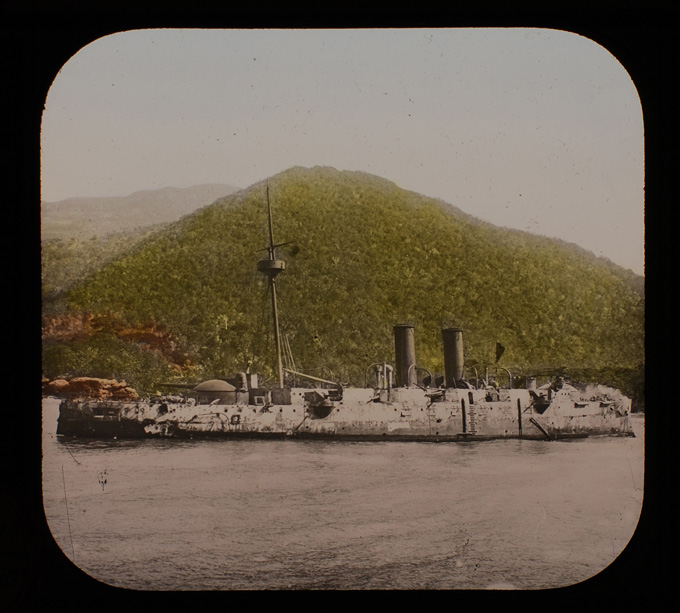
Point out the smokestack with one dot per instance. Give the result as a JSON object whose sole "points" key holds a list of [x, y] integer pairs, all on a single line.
{"points": [[405, 354], [453, 355]]}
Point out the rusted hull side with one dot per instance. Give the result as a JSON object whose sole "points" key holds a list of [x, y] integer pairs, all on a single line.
{"points": [[496, 428], [361, 415]]}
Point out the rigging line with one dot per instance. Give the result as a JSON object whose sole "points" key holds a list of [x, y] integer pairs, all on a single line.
{"points": [[69, 452], [290, 357], [631, 474], [68, 519], [285, 357], [302, 422], [286, 350], [289, 352]]}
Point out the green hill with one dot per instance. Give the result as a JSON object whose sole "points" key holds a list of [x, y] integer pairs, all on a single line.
{"points": [[362, 255]]}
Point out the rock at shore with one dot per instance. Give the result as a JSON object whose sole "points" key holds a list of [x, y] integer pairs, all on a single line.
{"points": [[89, 388]]}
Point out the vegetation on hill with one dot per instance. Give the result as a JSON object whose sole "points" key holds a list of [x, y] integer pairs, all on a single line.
{"points": [[68, 261], [362, 255]]}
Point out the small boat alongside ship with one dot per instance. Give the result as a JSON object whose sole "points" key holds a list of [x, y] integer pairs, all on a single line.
{"points": [[396, 406]]}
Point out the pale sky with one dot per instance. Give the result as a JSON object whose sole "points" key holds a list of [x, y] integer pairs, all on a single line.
{"points": [[533, 129]]}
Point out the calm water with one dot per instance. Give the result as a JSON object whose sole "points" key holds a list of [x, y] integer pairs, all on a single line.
{"points": [[218, 515]]}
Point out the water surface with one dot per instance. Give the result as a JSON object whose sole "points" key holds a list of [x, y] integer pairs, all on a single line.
{"points": [[234, 515]]}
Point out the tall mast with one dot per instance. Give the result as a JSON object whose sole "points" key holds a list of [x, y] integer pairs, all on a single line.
{"points": [[272, 267]]}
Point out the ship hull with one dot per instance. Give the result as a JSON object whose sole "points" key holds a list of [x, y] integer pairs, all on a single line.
{"points": [[361, 437], [108, 430], [362, 415], [102, 420]]}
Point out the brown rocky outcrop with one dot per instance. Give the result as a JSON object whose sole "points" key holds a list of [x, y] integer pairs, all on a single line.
{"points": [[151, 337], [69, 327], [89, 388]]}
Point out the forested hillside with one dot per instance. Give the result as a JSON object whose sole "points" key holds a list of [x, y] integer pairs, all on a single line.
{"points": [[65, 262], [362, 255]]}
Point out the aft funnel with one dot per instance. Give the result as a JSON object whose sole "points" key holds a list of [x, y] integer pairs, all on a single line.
{"points": [[454, 358]]}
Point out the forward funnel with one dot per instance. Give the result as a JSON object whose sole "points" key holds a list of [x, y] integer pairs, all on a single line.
{"points": [[405, 353]]}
